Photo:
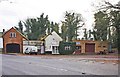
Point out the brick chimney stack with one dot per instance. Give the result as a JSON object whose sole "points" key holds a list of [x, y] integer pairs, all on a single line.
{"points": [[3, 30]]}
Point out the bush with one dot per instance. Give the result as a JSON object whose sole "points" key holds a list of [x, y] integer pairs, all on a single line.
{"points": [[66, 48]]}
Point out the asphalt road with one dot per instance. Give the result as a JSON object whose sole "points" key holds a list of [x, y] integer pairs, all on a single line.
{"points": [[36, 65]]}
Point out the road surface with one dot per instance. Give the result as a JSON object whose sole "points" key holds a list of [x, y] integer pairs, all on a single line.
{"points": [[36, 65]]}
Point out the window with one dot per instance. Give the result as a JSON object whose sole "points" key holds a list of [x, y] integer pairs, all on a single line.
{"points": [[78, 47], [67, 47], [104, 46], [53, 39], [12, 34], [77, 43]]}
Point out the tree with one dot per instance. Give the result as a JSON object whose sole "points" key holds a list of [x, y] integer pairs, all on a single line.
{"points": [[48, 27], [85, 34], [113, 37], [64, 31], [71, 24], [39, 27], [43, 24], [110, 5], [115, 22], [89, 34], [27, 24], [114, 12], [20, 26], [36, 27], [101, 25], [56, 28], [115, 15]]}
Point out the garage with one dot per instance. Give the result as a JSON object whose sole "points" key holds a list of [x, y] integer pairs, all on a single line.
{"points": [[13, 48], [90, 47]]}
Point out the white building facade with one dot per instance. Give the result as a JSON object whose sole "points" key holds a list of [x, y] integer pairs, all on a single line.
{"points": [[52, 43]]}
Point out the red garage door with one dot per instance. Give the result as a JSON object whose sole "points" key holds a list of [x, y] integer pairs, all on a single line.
{"points": [[90, 47]]}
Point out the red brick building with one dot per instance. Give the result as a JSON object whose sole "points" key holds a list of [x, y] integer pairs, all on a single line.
{"points": [[13, 41]]}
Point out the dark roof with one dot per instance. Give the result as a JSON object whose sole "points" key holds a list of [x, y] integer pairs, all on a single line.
{"points": [[15, 30], [44, 37]]}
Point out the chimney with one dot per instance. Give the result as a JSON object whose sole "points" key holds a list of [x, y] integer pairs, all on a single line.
{"points": [[3, 30]]}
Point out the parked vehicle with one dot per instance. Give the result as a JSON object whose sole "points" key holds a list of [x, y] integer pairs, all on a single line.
{"points": [[30, 50], [104, 52]]}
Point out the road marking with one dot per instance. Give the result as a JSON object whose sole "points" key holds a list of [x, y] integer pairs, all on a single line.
{"points": [[60, 59], [102, 62], [63, 70], [114, 63]]}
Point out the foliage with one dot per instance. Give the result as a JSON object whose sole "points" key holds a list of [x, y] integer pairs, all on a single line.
{"points": [[101, 25], [39, 27], [115, 20], [64, 31], [85, 34], [20, 27], [55, 27], [70, 26], [66, 48], [113, 12]]}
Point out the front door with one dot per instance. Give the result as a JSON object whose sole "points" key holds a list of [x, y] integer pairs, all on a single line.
{"points": [[55, 50]]}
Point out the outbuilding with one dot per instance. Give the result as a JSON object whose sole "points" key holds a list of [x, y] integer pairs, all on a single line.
{"points": [[13, 41], [90, 46]]}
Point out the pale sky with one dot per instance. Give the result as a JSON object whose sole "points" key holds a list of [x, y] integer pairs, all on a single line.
{"points": [[12, 11]]}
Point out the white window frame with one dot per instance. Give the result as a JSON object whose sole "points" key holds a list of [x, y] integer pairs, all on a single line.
{"points": [[67, 47], [12, 35]]}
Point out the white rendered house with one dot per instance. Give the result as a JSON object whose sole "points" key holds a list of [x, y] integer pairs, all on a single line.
{"points": [[52, 43]]}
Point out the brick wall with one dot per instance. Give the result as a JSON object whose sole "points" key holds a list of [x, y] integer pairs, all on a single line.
{"points": [[8, 40]]}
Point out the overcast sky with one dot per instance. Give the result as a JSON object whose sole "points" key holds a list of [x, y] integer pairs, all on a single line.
{"points": [[12, 11]]}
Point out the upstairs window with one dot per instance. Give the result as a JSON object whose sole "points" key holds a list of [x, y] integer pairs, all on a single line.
{"points": [[12, 35]]}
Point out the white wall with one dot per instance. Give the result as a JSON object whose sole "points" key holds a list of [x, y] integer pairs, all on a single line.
{"points": [[1, 43], [52, 40]]}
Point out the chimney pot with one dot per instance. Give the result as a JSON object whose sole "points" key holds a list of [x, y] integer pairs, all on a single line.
{"points": [[3, 30]]}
